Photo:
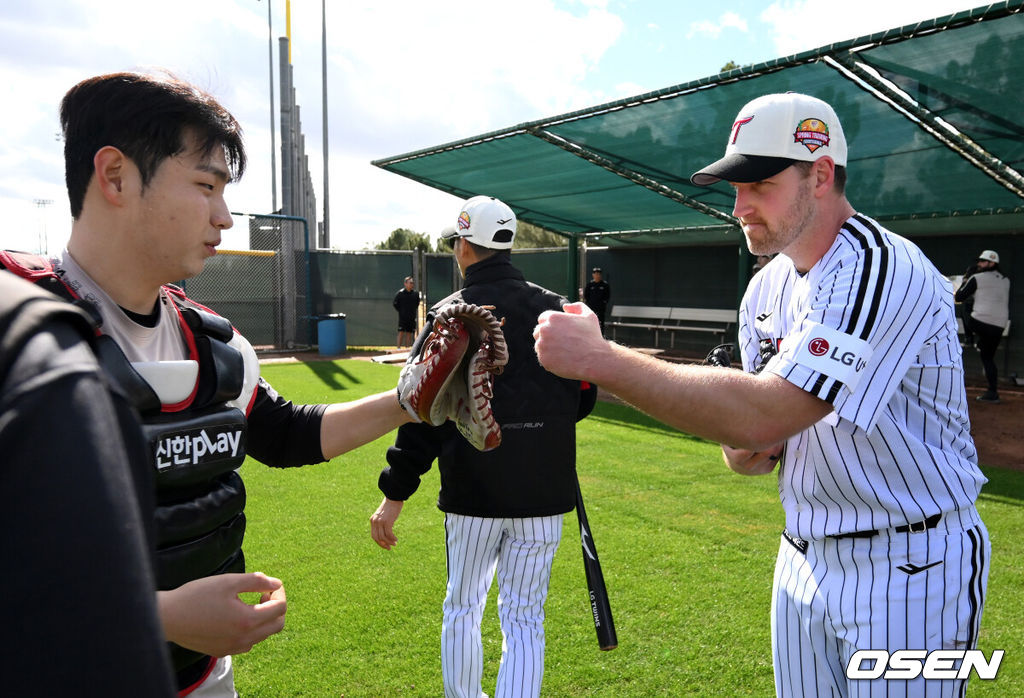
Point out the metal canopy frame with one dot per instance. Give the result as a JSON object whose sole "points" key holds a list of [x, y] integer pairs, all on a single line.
{"points": [[575, 174], [852, 60]]}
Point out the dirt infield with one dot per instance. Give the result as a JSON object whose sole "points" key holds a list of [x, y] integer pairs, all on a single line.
{"points": [[998, 430]]}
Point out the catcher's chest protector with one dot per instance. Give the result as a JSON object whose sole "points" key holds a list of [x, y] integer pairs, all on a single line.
{"points": [[195, 445]]}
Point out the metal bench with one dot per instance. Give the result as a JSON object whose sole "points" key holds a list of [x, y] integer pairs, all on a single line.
{"points": [[665, 319]]}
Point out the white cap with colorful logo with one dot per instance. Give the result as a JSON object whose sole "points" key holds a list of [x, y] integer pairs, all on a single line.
{"points": [[772, 132], [989, 256], [484, 221]]}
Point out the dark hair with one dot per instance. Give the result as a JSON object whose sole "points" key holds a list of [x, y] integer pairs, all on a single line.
{"points": [[482, 252], [147, 119], [839, 178]]}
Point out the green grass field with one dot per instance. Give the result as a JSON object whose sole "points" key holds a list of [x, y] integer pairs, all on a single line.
{"points": [[687, 549]]}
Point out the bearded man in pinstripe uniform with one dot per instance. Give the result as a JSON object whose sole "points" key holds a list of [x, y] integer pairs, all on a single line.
{"points": [[853, 386]]}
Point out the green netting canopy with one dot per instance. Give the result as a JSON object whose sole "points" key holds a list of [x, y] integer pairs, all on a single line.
{"points": [[931, 113]]}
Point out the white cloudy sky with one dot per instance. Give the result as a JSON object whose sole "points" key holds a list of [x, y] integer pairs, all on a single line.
{"points": [[402, 75]]}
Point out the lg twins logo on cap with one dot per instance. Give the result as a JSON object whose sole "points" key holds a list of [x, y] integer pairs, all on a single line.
{"points": [[812, 133], [818, 346], [463, 221], [736, 128]]}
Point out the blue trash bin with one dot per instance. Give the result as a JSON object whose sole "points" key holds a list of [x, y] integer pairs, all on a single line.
{"points": [[330, 330]]}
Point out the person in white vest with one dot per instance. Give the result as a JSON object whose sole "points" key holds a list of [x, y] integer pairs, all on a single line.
{"points": [[990, 290]]}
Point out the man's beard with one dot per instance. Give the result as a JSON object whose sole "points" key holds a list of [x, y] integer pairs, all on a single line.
{"points": [[797, 219]]}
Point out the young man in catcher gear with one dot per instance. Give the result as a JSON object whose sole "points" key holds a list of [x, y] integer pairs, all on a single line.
{"points": [[503, 506], [148, 160], [862, 407]]}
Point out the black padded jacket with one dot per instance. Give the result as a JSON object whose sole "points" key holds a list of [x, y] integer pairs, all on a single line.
{"points": [[533, 471]]}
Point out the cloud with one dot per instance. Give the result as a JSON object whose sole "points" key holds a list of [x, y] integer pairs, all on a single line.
{"points": [[802, 25], [707, 28], [402, 76]]}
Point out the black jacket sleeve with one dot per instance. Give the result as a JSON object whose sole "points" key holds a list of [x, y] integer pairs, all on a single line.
{"points": [[416, 447], [966, 290], [282, 434], [588, 398]]}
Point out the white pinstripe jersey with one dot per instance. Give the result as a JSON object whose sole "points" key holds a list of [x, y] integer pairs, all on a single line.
{"points": [[871, 330]]}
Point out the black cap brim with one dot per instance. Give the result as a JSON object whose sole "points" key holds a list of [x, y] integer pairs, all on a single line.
{"points": [[740, 168]]}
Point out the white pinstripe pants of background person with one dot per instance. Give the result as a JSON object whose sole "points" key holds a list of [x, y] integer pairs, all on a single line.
{"points": [[921, 591], [519, 552]]}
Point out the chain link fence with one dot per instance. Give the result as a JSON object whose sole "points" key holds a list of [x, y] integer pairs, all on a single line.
{"points": [[276, 291], [264, 290]]}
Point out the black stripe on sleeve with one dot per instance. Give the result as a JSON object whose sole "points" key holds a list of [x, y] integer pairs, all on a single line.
{"points": [[876, 297], [870, 244], [833, 393], [862, 292]]}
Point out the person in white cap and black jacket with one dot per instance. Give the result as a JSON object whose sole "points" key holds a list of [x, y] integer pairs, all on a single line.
{"points": [[989, 290], [503, 508]]}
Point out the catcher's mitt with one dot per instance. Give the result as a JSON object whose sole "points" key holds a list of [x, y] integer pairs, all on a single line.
{"points": [[451, 376]]}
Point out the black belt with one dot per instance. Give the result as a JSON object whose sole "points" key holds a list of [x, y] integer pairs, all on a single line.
{"points": [[916, 527]]}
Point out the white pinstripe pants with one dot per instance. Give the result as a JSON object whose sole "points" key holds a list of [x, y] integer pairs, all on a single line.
{"points": [[520, 551], [844, 595]]}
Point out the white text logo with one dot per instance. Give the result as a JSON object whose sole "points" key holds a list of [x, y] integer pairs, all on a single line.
{"points": [[909, 664], [191, 448]]}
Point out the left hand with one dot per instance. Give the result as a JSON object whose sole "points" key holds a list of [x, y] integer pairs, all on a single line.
{"points": [[382, 523], [747, 462]]}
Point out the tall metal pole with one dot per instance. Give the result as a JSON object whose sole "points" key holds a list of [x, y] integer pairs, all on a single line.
{"points": [[44, 243], [287, 129], [326, 241], [273, 139]]}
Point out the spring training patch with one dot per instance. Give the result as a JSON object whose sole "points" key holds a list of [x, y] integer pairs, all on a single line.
{"points": [[834, 354]]}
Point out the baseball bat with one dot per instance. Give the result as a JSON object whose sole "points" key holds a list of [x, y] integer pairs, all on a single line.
{"points": [[599, 604]]}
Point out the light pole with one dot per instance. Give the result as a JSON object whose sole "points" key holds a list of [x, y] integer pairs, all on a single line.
{"points": [[273, 143], [41, 204], [326, 242]]}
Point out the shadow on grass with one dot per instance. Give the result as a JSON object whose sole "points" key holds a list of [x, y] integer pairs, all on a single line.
{"points": [[633, 418], [1004, 485], [332, 374]]}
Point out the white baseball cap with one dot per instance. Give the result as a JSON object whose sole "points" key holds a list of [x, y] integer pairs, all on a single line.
{"points": [[770, 133], [989, 256], [484, 221]]}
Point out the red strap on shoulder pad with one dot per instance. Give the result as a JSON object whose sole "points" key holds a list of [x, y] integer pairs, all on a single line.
{"points": [[27, 266], [38, 270]]}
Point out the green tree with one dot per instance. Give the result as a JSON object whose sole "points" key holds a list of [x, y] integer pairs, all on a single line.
{"points": [[731, 65], [528, 236], [405, 239]]}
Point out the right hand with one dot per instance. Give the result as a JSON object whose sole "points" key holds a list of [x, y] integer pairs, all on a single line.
{"points": [[568, 342], [382, 523], [206, 615], [747, 462]]}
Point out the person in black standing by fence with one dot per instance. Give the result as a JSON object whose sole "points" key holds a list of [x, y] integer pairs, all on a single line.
{"points": [[407, 302], [597, 294]]}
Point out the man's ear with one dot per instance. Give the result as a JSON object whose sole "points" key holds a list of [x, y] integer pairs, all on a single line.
{"points": [[824, 174], [109, 170]]}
